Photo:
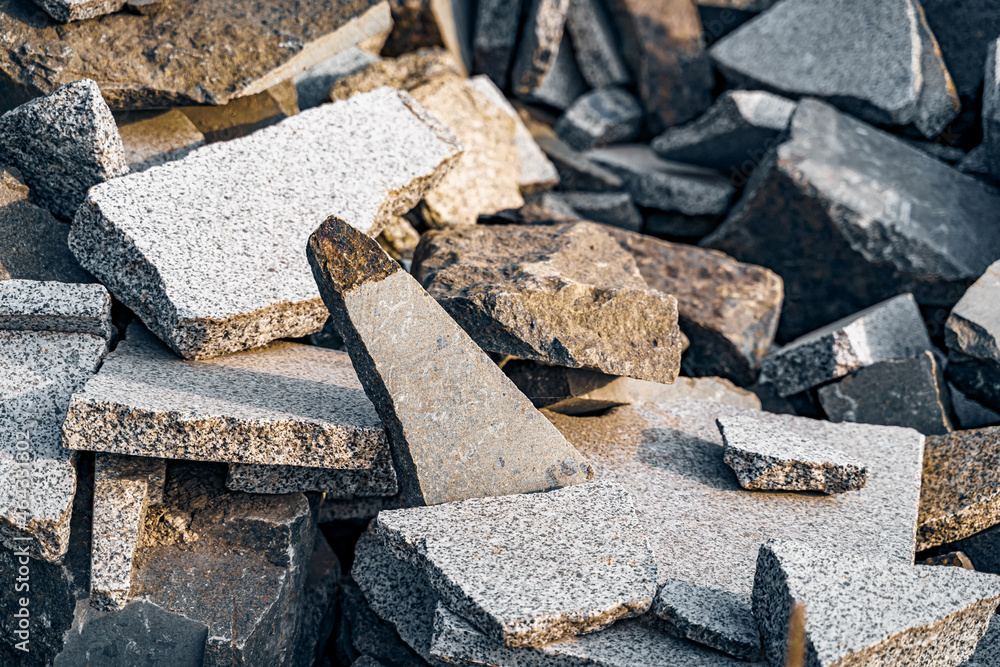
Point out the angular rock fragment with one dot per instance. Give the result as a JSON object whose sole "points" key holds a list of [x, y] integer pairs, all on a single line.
{"points": [[907, 392], [576, 171], [469, 433], [600, 117], [407, 72], [951, 559], [495, 38], [611, 208], [358, 509], [982, 549], [596, 45], [708, 617], [964, 33], [151, 137], [379, 479], [767, 458], [970, 413], [991, 109], [536, 292], [889, 330], [399, 239], [63, 144], [319, 605], [988, 649], [360, 633], [243, 115], [312, 87], [540, 43], [561, 82], [938, 614], [29, 305], [972, 333], [880, 63], [65, 11], [211, 275]]}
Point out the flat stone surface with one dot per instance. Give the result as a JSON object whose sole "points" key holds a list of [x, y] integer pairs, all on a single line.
{"points": [[765, 457], [287, 404], [540, 42], [611, 208], [964, 33], [938, 614], [972, 333], [495, 38], [377, 480], [601, 117], [716, 619], [596, 45], [161, 60], [907, 392], [154, 137], [889, 330], [879, 63], [30, 305], [811, 211], [63, 144], [312, 87], [65, 11], [406, 72], [210, 274], [463, 429], [536, 292]]}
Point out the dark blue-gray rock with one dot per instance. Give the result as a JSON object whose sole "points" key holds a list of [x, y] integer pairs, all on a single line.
{"points": [[361, 633], [611, 208], [600, 117], [494, 39], [983, 549], [561, 82], [596, 44], [972, 333], [576, 171], [321, 591], [154, 137], [716, 619], [991, 109], [964, 31], [878, 62], [970, 413], [848, 216]]}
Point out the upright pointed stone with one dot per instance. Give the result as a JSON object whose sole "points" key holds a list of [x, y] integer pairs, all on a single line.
{"points": [[457, 426], [972, 334]]}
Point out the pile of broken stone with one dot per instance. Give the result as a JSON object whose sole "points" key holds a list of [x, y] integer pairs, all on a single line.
{"points": [[571, 332]]}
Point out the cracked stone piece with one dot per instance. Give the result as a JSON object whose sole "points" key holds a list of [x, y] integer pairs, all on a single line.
{"points": [[379, 479], [154, 137], [596, 45], [951, 559], [211, 275], [287, 404], [991, 109], [29, 305], [971, 413], [357, 509], [600, 117], [243, 115], [732, 135], [189, 53], [834, 199], [562, 83], [964, 33], [960, 495], [63, 144], [312, 87], [880, 63], [124, 486], [716, 619], [906, 392], [728, 310], [408, 71], [938, 614], [495, 38], [768, 458], [666, 186], [565, 294], [611, 208], [65, 11], [892, 329], [540, 43], [468, 433], [972, 333]]}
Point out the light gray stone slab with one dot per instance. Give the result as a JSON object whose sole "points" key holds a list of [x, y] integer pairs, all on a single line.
{"points": [[152, 137], [716, 619], [313, 85], [596, 44], [611, 208], [972, 333], [208, 250], [65, 11], [30, 305], [600, 117], [494, 40]]}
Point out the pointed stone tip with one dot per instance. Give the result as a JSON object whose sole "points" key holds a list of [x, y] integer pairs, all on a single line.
{"points": [[343, 257]]}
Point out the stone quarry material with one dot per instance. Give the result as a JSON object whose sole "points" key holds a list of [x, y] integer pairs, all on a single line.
{"points": [[540, 599], [535, 292], [972, 332], [408, 71], [600, 117], [988, 649], [468, 432], [960, 495], [881, 63], [243, 115], [596, 44], [361, 633], [344, 483], [951, 559], [576, 171], [63, 144], [970, 413], [540, 43], [399, 239], [733, 135], [889, 330], [981, 549], [562, 81], [728, 310], [312, 87], [611, 208], [991, 110], [161, 60], [211, 275], [495, 39], [319, 606], [65, 11], [907, 392], [153, 137], [766, 458], [716, 619], [938, 614], [834, 199], [29, 305], [358, 509], [964, 33]]}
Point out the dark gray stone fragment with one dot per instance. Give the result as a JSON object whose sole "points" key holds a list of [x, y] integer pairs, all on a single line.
{"points": [[971, 413], [562, 82], [964, 31], [319, 604], [612, 208], [596, 45], [983, 549], [361, 633], [312, 87], [540, 43], [495, 38], [991, 109], [717, 619], [600, 117], [576, 171], [972, 333], [30, 305]]}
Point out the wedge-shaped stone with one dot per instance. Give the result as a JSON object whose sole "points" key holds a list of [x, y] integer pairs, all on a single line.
{"points": [[153, 137], [30, 305], [600, 117], [596, 44], [889, 330], [63, 144], [880, 63], [77, 10], [561, 83], [565, 294], [861, 610], [212, 274], [458, 427], [611, 208], [972, 334], [407, 72], [495, 38], [540, 44], [717, 619], [765, 457]]}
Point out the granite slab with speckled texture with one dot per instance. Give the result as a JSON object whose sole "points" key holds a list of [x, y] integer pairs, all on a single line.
{"points": [[716, 619], [32, 305]]}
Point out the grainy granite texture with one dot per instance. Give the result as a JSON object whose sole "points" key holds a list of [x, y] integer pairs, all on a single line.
{"points": [[717, 619], [312, 87], [30, 305], [213, 274], [892, 329], [596, 44], [494, 39], [540, 43], [244, 115], [463, 430], [765, 457], [154, 137], [972, 333], [288, 404], [937, 614], [63, 144], [361, 633], [379, 479], [407, 72], [65, 11], [565, 294], [561, 83], [611, 208], [600, 117], [357, 509]]}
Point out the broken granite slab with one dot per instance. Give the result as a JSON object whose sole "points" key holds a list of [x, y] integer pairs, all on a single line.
{"points": [[469, 433], [601, 117], [938, 614], [535, 292], [562, 81], [495, 38], [892, 329], [964, 33], [904, 392], [611, 208], [379, 479], [970, 413], [358, 509], [169, 53], [408, 71], [244, 115], [29, 305], [716, 619], [65, 11], [732, 136], [361, 633], [287, 404], [211, 275], [768, 458], [63, 144], [596, 44], [312, 87], [154, 137], [960, 494], [880, 63], [972, 332]]}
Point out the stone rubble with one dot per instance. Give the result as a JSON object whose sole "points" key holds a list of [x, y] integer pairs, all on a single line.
{"points": [[596, 44], [406, 72], [246, 114], [971, 333], [29, 305], [611, 208], [716, 619], [600, 117], [151, 137]]}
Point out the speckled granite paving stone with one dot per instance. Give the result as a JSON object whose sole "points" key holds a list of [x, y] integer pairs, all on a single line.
{"points": [[494, 39], [528, 585], [972, 333], [716, 619], [865, 611], [358, 509], [30, 305], [288, 404], [212, 274], [596, 44], [63, 144], [766, 457], [466, 433], [377, 480], [892, 329], [611, 208], [407, 72], [312, 87], [600, 117], [988, 649], [360, 632], [154, 137]]}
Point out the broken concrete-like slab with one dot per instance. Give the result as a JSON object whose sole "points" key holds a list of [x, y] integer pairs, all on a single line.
{"points": [[192, 261], [712, 618], [972, 333], [601, 117], [29, 305], [153, 137]]}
